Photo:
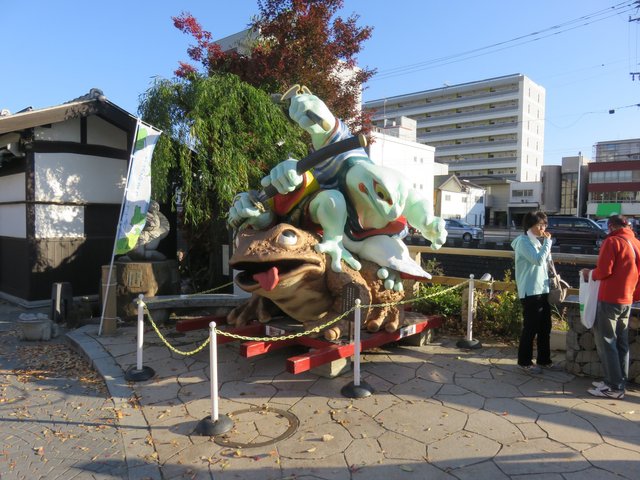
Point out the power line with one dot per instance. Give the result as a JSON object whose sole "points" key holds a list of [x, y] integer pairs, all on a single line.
{"points": [[620, 8]]}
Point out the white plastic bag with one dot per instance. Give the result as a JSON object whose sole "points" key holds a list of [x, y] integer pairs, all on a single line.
{"points": [[588, 298]]}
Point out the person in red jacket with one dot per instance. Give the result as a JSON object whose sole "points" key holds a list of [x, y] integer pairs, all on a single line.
{"points": [[617, 269]]}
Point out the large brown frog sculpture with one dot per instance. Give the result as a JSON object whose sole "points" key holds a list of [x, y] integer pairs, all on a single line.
{"points": [[283, 272]]}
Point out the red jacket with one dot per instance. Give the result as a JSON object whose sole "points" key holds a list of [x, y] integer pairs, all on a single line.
{"points": [[618, 268]]}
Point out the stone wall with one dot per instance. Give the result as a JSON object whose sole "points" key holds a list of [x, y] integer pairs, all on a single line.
{"points": [[582, 357]]}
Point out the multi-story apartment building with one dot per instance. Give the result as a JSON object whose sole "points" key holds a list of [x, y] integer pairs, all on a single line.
{"points": [[614, 179], [490, 132]]}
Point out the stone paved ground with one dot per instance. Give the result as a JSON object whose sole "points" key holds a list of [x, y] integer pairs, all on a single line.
{"points": [[56, 418], [437, 413]]}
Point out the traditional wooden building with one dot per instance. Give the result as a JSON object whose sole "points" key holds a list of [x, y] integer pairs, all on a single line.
{"points": [[62, 176]]}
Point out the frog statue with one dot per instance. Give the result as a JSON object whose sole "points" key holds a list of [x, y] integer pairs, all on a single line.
{"points": [[284, 273], [361, 210]]}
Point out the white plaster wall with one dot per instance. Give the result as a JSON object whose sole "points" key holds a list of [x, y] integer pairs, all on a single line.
{"points": [[13, 220], [101, 132], [456, 207], [69, 178], [68, 131], [59, 221], [414, 160], [13, 188]]}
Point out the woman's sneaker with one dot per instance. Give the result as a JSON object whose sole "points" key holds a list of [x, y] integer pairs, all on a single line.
{"points": [[551, 367], [599, 385], [532, 369], [606, 392]]}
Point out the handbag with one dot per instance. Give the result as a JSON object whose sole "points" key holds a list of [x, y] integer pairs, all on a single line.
{"points": [[588, 298], [557, 286]]}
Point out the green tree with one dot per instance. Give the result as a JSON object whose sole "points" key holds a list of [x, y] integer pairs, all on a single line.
{"points": [[220, 136]]}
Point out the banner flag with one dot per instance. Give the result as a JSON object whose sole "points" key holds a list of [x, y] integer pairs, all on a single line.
{"points": [[137, 189]]}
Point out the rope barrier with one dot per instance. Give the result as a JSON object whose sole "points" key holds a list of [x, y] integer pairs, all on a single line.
{"points": [[171, 347], [316, 329], [186, 296]]}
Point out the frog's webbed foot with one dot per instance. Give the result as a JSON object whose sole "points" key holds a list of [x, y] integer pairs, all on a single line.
{"points": [[337, 252], [387, 317], [337, 330]]}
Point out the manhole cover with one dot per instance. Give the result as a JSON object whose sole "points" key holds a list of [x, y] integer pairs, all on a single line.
{"points": [[258, 427]]}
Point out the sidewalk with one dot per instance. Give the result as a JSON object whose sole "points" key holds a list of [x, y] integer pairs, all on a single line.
{"points": [[437, 413], [56, 418]]}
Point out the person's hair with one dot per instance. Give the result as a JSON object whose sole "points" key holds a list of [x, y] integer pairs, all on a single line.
{"points": [[617, 221], [533, 218]]}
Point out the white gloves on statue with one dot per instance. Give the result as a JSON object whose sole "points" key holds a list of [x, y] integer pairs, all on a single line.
{"points": [[283, 177], [300, 105], [244, 212]]}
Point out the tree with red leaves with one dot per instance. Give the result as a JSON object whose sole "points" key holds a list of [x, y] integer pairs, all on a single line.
{"points": [[222, 130], [294, 41]]}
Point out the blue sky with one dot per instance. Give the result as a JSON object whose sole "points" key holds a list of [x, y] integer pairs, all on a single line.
{"points": [[54, 51]]}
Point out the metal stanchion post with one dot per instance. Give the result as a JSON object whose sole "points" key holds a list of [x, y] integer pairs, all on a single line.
{"points": [[469, 342], [139, 373], [357, 388], [214, 424]]}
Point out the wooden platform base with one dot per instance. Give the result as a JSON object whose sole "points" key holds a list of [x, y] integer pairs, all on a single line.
{"points": [[321, 352]]}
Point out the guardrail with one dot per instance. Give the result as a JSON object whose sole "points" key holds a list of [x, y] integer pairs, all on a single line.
{"points": [[578, 260]]}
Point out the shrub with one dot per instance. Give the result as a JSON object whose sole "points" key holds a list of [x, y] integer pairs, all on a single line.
{"points": [[431, 301], [497, 314]]}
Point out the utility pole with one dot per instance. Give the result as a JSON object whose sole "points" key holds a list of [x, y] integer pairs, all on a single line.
{"points": [[637, 19]]}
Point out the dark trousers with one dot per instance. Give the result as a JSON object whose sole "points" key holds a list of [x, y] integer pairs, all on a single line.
{"points": [[536, 325]]}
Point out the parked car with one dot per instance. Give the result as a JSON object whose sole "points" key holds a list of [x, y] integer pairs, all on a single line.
{"points": [[567, 230], [461, 229], [633, 222], [603, 223]]}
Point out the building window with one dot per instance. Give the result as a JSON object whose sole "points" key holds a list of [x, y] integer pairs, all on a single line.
{"points": [[447, 197], [522, 193]]}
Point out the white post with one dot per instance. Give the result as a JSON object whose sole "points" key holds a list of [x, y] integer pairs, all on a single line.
{"points": [[356, 346], [470, 309], [213, 362], [140, 332]]}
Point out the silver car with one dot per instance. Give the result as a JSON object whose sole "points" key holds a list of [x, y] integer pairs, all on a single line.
{"points": [[603, 224], [461, 229]]}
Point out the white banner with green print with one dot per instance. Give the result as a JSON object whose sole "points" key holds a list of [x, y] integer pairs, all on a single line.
{"points": [[138, 189]]}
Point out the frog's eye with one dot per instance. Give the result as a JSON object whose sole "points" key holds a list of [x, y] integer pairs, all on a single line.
{"points": [[287, 237], [381, 192]]}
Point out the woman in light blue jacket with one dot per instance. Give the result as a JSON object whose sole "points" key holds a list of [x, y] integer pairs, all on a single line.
{"points": [[532, 278]]}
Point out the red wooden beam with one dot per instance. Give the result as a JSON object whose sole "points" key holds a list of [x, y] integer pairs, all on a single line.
{"points": [[251, 349], [315, 358], [332, 352], [197, 323]]}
